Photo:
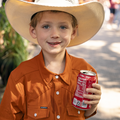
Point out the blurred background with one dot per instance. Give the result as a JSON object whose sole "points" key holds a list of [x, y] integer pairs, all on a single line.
{"points": [[102, 52]]}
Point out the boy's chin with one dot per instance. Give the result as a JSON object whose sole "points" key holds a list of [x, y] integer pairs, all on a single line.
{"points": [[55, 51]]}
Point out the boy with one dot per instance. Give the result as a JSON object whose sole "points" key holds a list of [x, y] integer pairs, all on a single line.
{"points": [[43, 87]]}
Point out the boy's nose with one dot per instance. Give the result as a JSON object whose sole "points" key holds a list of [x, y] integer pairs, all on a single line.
{"points": [[54, 33]]}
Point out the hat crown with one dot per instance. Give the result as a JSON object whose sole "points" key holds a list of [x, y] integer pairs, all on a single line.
{"points": [[57, 2]]}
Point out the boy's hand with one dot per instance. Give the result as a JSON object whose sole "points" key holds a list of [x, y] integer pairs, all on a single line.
{"points": [[95, 96]]}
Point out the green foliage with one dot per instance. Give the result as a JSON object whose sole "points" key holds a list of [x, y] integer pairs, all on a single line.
{"points": [[12, 48]]}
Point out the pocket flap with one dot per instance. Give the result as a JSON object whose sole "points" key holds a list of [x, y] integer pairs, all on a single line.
{"points": [[74, 111], [37, 113]]}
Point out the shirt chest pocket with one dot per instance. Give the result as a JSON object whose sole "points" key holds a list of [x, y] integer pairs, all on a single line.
{"points": [[74, 113], [35, 113]]}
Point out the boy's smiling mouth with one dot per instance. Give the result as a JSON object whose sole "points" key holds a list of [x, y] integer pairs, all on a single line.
{"points": [[54, 43]]}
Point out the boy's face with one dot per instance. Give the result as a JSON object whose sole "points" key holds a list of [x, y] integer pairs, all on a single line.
{"points": [[54, 31]]}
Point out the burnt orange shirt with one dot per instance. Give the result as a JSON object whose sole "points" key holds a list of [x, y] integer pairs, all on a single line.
{"points": [[35, 93]]}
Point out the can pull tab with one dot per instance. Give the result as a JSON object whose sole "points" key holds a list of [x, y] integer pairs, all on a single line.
{"points": [[87, 72], [84, 72]]}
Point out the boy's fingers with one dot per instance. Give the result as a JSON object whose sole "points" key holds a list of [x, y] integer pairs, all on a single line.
{"points": [[92, 97], [95, 96], [93, 91], [97, 86], [92, 102]]}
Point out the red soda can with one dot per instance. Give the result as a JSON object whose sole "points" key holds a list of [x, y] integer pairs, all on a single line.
{"points": [[85, 79]]}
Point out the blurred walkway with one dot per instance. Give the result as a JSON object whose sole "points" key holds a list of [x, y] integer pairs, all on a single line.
{"points": [[103, 53]]}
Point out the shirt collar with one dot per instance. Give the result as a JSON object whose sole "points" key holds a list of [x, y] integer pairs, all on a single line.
{"points": [[47, 75]]}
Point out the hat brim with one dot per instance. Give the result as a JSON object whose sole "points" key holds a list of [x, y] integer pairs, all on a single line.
{"points": [[90, 17]]}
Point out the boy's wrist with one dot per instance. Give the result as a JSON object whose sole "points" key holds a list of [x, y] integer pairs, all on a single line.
{"points": [[91, 110]]}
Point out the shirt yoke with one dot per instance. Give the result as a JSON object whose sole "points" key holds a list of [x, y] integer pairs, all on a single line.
{"points": [[80, 64], [25, 68]]}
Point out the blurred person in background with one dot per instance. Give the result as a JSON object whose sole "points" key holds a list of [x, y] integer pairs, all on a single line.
{"points": [[83, 1], [117, 15], [112, 5]]}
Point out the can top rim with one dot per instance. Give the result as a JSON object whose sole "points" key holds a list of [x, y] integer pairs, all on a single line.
{"points": [[87, 72]]}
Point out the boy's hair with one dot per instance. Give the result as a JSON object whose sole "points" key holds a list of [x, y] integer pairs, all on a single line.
{"points": [[37, 16]]}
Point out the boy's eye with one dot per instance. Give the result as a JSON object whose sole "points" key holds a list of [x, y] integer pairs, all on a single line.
{"points": [[46, 26], [63, 27]]}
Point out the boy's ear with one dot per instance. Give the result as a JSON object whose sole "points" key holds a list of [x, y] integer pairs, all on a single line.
{"points": [[32, 32], [74, 32]]}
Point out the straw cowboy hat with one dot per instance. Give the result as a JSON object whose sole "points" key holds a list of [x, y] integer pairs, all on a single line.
{"points": [[90, 16]]}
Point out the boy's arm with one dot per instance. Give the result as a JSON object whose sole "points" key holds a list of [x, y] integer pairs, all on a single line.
{"points": [[90, 112], [11, 106], [95, 98]]}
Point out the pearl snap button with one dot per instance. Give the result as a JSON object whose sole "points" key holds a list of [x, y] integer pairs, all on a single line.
{"points": [[57, 92], [58, 117], [56, 76], [78, 112], [35, 114]]}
